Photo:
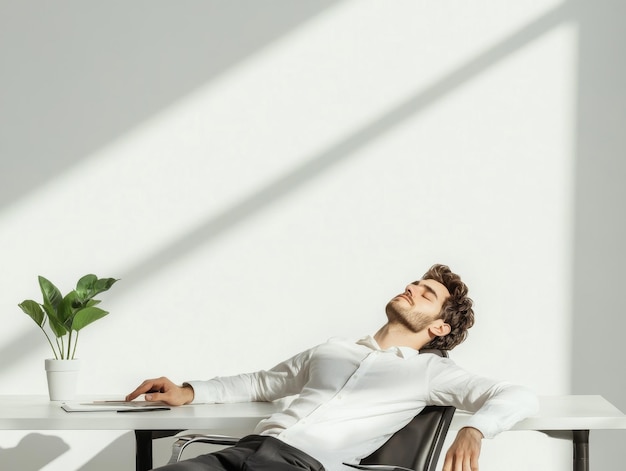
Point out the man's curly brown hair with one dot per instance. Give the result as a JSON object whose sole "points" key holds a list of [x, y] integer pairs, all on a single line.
{"points": [[456, 311]]}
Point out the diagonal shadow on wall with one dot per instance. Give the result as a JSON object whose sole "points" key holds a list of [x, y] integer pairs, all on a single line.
{"points": [[76, 75], [284, 185]]}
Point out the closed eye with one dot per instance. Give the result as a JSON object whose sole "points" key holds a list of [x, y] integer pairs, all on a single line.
{"points": [[428, 293]]}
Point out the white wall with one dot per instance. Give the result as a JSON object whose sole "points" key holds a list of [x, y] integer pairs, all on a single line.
{"points": [[263, 177]]}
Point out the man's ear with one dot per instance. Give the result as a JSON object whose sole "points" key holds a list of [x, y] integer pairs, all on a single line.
{"points": [[439, 328]]}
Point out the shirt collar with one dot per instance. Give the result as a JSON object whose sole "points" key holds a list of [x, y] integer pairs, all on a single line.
{"points": [[402, 352]]}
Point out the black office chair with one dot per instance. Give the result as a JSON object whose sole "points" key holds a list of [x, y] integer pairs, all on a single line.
{"points": [[415, 447]]}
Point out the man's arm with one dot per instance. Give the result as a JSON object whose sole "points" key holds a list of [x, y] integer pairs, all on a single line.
{"points": [[285, 379], [504, 405], [496, 407]]}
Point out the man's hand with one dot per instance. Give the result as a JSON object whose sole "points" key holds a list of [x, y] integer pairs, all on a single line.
{"points": [[464, 452], [162, 389]]}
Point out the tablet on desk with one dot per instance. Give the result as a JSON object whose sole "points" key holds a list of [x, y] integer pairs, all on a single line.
{"points": [[118, 406]]}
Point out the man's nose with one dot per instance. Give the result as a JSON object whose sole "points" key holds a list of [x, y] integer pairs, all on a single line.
{"points": [[414, 289]]}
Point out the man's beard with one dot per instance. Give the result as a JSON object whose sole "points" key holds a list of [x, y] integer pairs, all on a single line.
{"points": [[413, 321]]}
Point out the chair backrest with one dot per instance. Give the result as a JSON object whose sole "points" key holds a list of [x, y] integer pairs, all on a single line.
{"points": [[417, 446]]}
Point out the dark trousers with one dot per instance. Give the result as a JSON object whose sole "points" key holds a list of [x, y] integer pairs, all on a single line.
{"points": [[252, 453]]}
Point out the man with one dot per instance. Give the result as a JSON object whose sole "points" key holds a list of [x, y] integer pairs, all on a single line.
{"points": [[352, 396]]}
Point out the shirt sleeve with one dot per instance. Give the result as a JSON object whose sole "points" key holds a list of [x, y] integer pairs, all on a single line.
{"points": [[285, 379], [497, 406]]}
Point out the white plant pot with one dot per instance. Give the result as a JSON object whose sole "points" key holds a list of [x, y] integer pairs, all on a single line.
{"points": [[62, 378]]}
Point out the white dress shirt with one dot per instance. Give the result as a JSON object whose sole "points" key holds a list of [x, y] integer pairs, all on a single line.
{"points": [[352, 396]]}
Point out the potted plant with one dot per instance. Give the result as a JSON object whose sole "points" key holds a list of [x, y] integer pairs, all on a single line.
{"points": [[63, 317]]}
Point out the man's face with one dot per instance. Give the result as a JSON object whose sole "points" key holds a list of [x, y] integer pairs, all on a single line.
{"points": [[419, 304]]}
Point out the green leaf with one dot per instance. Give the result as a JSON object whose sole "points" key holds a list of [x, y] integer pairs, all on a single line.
{"points": [[103, 284], [33, 309], [56, 326], [70, 304], [85, 285], [52, 297], [89, 286], [86, 316]]}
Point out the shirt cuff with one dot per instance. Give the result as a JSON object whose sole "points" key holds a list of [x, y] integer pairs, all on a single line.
{"points": [[488, 428], [203, 392]]}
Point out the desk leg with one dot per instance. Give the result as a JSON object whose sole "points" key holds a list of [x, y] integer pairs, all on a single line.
{"points": [[143, 450], [143, 446], [581, 450]]}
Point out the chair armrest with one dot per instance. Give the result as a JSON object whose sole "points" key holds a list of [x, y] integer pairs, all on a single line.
{"points": [[183, 441], [377, 467]]}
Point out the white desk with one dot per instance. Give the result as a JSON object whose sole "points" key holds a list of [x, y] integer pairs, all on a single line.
{"points": [[38, 413], [568, 417], [561, 416]]}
